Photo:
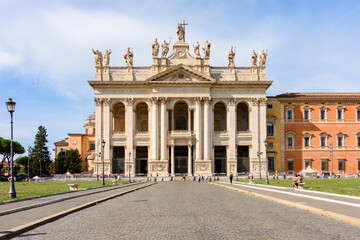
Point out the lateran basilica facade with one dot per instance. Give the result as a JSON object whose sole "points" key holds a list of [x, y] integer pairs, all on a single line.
{"points": [[180, 115]]}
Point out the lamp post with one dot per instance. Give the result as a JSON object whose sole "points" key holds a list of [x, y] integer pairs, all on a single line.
{"points": [[129, 167], [11, 108], [267, 163], [29, 149], [259, 155], [102, 156]]}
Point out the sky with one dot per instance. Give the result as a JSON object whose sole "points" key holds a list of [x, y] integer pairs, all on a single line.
{"points": [[46, 58]]}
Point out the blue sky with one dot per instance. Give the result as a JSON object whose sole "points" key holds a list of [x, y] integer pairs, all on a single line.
{"points": [[46, 58]]}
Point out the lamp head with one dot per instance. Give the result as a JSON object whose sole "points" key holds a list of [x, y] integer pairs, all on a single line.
{"points": [[103, 143], [266, 143], [10, 105]]}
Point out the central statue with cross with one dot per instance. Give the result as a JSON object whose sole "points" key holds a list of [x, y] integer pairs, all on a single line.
{"points": [[181, 31]]}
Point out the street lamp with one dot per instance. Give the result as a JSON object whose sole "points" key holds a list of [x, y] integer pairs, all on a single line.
{"points": [[129, 167], [267, 163], [29, 150], [11, 108], [102, 156]]}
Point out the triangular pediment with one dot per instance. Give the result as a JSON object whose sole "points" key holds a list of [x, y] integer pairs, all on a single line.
{"points": [[180, 73]]}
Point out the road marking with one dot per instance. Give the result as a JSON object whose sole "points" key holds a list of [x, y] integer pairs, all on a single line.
{"points": [[300, 195]]}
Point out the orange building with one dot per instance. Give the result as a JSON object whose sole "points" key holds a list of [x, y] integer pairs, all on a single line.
{"points": [[321, 130], [84, 143]]}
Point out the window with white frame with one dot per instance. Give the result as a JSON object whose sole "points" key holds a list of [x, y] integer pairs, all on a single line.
{"points": [[307, 139], [358, 164], [307, 113], [270, 129], [271, 163], [358, 113], [340, 139], [341, 164], [324, 164], [269, 106], [290, 113], [323, 139], [340, 113], [307, 162], [270, 144], [290, 164], [290, 139], [323, 113], [358, 139]]}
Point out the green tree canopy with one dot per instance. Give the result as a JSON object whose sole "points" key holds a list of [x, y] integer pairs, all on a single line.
{"points": [[39, 154], [68, 161], [5, 149]]}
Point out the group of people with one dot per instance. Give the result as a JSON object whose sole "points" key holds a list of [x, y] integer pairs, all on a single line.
{"points": [[296, 180]]}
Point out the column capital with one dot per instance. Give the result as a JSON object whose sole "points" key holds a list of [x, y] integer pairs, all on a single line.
{"points": [[163, 100], [98, 101], [154, 100], [232, 101], [198, 99], [207, 100], [106, 101], [129, 101]]}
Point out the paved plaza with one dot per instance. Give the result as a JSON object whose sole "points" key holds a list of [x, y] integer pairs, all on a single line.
{"points": [[190, 210]]}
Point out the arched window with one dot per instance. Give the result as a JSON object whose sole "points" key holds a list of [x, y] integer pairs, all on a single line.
{"points": [[219, 117], [270, 129], [242, 116], [181, 116], [118, 116], [142, 118]]}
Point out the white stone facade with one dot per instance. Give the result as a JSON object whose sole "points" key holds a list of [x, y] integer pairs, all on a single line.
{"points": [[180, 115]]}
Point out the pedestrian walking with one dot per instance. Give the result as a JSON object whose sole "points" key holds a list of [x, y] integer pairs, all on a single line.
{"points": [[199, 178], [294, 182], [231, 177]]}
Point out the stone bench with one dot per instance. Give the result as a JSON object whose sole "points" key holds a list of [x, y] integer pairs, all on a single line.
{"points": [[301, 185], [73, 187]]}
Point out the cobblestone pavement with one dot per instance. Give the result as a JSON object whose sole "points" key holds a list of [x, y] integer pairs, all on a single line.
{"points": [[190, 210]]}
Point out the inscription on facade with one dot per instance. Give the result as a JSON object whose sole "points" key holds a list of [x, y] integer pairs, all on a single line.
{"points": [[188, 90], [122, 91], [239, 91]]}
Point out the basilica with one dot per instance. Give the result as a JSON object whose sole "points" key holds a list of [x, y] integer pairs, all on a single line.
{"points": [[180, 115]]}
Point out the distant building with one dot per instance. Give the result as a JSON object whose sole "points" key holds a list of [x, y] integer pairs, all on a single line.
{"points": [[84, 143]]}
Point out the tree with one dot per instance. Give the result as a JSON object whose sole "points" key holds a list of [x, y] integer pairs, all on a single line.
{"points": [[68, 161], [39, 154], [5, 150], [23, 161]]}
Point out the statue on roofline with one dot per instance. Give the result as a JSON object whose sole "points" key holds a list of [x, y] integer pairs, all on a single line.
{"points": [[165, 49], [206, 49], [197, 49], [253, 58], [155, 48], [262, 58], [107, 57], [98, 57], [129, 58], [180, 32], [231, 56]]}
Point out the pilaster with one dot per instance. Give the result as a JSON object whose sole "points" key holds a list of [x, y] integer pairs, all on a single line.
{"points": [[198, 154], [129, 121], [106, 134], [154, 129], [232, 136], [207, 129], [163, 132]]}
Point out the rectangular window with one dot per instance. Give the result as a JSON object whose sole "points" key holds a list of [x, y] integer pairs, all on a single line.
{"points": [[340, 141], [323, 141], [271, 163], [269, 106], [306, 114], [92, 146], [307, 163], [339, 114], [323, 165], [270, 144], [270, 129], [322, 114], [358, 165], [341, 165], [358, 141], [358, 114], [290, 165], [290, 141], [306, 141], [289, 114]]}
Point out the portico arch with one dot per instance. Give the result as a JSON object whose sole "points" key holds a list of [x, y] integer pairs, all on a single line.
{"points": [[220, 117], [118, 117], [142, 117], [181, 116], [242, 117]]}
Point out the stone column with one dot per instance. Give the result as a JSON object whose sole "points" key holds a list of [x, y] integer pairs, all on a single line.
{"points": [[154, 130], [172, 119], [232, 161], [163, 130], [198, 128], [98, 132], [207, 129], [106, 134], [189, 119], [189, 159], [172, 158], [129, 128]]}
